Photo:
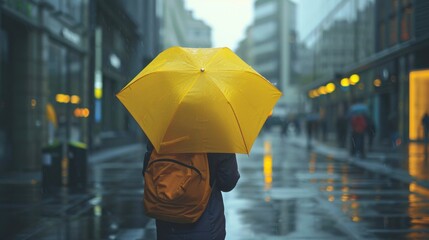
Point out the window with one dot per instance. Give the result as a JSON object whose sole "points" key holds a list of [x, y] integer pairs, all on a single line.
{"points": [[73, 8], [393, 20], [394, 4], [65, 83], [381, 34], [4, 46], [265, 9], [267, 47], [393, 30], [406, 20], [264, 31]]}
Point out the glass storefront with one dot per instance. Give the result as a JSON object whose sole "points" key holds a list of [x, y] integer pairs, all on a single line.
{"points": [[345, 37], [352, 33], [394, 22], [110, 115], [71, 8], [111, 118], [65, 92], [5, 155]]}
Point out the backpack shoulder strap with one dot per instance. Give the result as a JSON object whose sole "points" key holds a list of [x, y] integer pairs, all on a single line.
{"points": [[149, 149]]}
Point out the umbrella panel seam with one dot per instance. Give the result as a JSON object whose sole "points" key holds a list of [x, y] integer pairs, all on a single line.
{"points": [[232, 109], [175, 112], [153, 72]]}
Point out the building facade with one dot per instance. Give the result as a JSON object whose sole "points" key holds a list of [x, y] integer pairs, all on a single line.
{"points": [[378, 43], [115, 49], [62, 63], [273, 37], [178, 27], [43, 54], [244, 47], [198, 33], [122, 47]]}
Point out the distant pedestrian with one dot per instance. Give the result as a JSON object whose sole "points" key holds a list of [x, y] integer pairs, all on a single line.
{"points": [[341, 126], [297, 126], [393, 129], [371, 132], [284, 126], [309, 127], [324, 129], [359, 126], [425, 123]]}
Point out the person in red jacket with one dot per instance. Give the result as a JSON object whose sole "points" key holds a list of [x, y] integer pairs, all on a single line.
{"points": [[359, 127]]}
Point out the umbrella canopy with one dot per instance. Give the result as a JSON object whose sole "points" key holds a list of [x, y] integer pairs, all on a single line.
{"points": [[358, 108], [312, 117], [199, 100]]}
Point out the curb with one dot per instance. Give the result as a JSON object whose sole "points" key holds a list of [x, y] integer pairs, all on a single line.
{"points": [[372, 166]]}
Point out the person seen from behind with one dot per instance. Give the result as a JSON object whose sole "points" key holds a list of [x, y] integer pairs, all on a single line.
{"points": [[224, 176], [309, 127], [392, 124], [341, 125], [359, 126]]}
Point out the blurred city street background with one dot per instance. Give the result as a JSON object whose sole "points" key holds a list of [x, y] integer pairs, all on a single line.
{"points": [[71, 155]]}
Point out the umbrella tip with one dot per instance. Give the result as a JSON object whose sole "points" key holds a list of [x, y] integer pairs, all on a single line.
{"points": [[202, 69]]}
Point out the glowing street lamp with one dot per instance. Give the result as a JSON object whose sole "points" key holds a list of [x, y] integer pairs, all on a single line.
{"points": [[354, 79], [330, 87], [315, 93], [321, 90], [377, 82], [345, 82]]}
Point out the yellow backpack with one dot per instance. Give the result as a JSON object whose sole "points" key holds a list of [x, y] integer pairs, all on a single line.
{"points": [[177, 186]]}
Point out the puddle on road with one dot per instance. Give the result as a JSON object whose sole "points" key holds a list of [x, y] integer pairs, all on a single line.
{"points": [[379, 206], [268, 202], [388, 208], [292, 193], [116, 211], [418, 161]]}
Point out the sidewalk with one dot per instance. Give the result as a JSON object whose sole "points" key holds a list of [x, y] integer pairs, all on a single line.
{"points": [[408, 163], [35, 177], [27, 212]]}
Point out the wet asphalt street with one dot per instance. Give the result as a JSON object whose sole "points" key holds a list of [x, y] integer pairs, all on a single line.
{"points": [[285, 192], [288, 192]]}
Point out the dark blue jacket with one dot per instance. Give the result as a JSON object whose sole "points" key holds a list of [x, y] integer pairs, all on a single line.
{"points": [[211, 225]]}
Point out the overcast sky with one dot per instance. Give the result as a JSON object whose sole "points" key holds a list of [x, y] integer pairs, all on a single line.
{"points": [[228, 19]]}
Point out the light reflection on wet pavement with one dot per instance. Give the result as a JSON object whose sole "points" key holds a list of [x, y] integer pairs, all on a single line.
{"points": [[285, 192], [112, 208], [271, 202], [318, 197]]}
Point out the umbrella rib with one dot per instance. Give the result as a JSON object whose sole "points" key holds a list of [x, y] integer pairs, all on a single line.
{"points": [[175, 112], [150, 73], [213, 57], [239, 127], [235, 115], [229, 103], [253, 73]]}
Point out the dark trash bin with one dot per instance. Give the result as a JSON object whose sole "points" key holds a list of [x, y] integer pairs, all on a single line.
{"points": [[77, 166], [51, 168]]}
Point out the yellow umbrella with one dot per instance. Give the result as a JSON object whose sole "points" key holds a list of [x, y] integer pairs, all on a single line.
{"points": [[199, 100]]}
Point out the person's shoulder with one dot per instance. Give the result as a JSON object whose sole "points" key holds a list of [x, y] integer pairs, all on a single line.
{"points": [[220, 156]]}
